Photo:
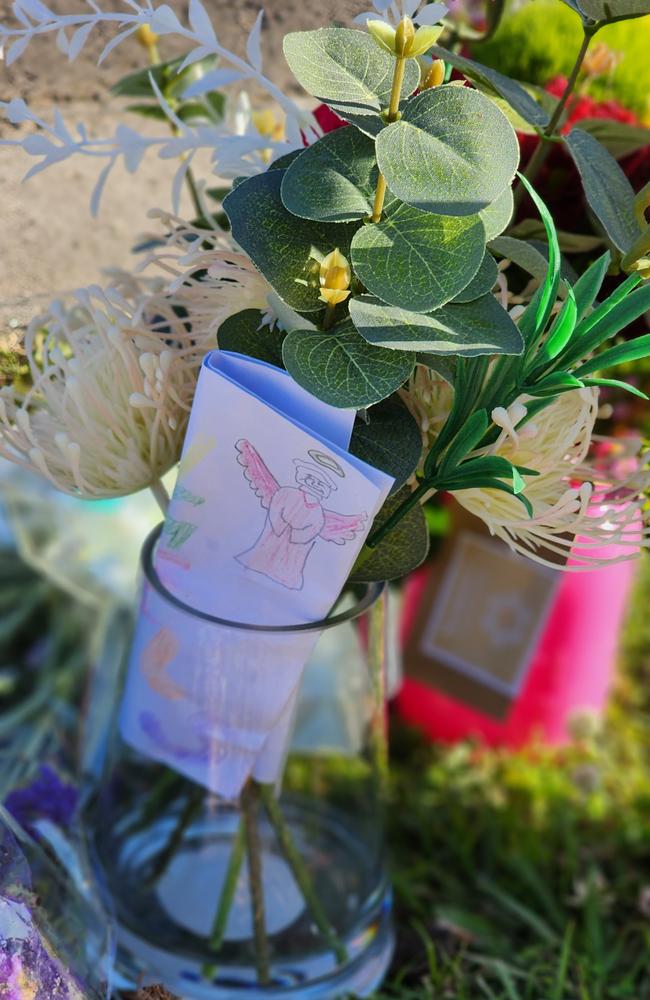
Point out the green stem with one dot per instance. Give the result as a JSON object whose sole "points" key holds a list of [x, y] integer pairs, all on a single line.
{"points": [[227, 896], [412, 501], [391, 116], [255, 879], [194, 193], [193, 806], [300, 871], [544, 146]]}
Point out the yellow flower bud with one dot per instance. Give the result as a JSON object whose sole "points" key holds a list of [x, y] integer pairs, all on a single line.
{"points": [[425, 37], [146, 37], [435, 75], [404, 37], [335, 277], [383, 34]]}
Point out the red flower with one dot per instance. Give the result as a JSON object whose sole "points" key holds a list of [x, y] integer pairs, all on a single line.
{"points": [[326, 118]]}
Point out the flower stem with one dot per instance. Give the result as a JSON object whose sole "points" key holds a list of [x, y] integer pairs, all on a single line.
{"points": [[300, 871], [412, 501], [539, 157], [227, 896], [254, 859], [328, 319], [392, 116], [192, 808], [160, 494]]}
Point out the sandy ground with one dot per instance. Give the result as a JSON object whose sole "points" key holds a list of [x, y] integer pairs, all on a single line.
{"points": [[48, 241]]}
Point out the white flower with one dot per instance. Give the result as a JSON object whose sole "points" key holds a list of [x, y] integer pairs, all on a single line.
{"points": [[579, 507], [113, 374], [392, 13]]}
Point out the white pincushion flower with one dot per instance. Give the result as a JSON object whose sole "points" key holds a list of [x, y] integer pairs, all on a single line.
{"points": [[114, 373], [578, 507], [112, 384]]}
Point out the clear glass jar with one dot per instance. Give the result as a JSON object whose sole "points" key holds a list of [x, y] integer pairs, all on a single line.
{"points": [[282, 889]]}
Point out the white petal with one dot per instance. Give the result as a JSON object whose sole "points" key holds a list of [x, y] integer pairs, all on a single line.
{"points": [[431, 13]]}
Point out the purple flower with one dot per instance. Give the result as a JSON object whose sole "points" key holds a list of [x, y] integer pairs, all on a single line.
{"points": [[47, 797], [27, 967]]}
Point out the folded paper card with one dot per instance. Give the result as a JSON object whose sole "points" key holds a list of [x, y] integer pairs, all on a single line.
{"points": [[268, 516]]}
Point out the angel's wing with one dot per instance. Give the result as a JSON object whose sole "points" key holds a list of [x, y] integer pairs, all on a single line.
{"points": [[341, 528], [262, 482]]}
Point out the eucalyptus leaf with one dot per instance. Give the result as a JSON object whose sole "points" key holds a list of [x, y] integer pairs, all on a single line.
{"points": [[511, 91], [334, 180], [521, 253], [416, 260], [483, 281], [609, 193], [401, 550], [441, 364], [607, 11], [279, 243], [497, 216], [345, 67], [342, 369], [470, 329], [452, 152], [388, 438], [243, 334], [619, 138]]}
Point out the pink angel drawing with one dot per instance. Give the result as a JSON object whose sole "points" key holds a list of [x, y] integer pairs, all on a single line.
{"points": [[295, 517]]}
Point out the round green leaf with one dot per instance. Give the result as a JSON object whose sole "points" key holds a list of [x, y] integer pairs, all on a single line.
{"points": [[339, 367], [473, 328], [388, 438], [417, 260], [347, 67], [279, 243], [334, 180], [483, 281], [244, 334], [401, 550], [498, 215], [452, 152], [607, 11]]}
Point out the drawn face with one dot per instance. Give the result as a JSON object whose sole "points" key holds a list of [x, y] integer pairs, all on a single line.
{"points": [[312, 482]]}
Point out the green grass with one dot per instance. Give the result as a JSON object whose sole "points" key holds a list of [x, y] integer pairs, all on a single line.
{"points": [[522, 876]]}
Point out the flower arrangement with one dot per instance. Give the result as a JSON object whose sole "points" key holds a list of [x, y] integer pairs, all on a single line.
{"points": [[363, 262]]}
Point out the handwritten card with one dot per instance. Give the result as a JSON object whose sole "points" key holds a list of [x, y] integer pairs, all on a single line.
{"points": [[268, 516]]}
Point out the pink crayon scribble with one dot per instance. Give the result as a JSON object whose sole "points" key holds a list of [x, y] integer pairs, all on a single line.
{"points": [[295, 518]]}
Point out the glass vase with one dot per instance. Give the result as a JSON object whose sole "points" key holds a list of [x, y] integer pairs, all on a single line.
{"points": [[278, 890]]}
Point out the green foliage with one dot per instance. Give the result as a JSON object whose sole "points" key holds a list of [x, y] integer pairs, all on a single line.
{"points": [[341, 368], [208, 107], [389, 438], [597, 12], [345, 68], [280, 243], [334, 180], [490, 81], [609, 193], [483, 281], [416, 260], [448, 132], [527, 49], [497, 215], [243, 334], [401, 551], [468, 329]]}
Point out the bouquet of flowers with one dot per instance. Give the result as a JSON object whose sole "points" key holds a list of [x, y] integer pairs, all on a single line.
{"points": [[357, 271]]}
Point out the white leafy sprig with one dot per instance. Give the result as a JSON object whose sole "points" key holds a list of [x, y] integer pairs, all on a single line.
{"points": [[232, 155]]}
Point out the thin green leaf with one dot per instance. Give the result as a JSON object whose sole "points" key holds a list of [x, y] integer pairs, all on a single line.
{"points": [[465, 441], [588, 284], [632, 350], [623, 307], [563, 328], [549, 290], [614, 383]]}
